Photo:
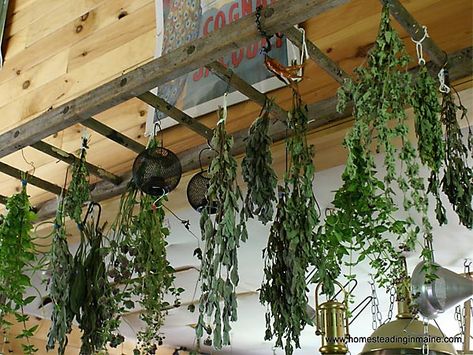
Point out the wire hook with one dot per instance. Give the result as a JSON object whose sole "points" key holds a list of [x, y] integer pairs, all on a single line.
{"points": [[419, 49]]}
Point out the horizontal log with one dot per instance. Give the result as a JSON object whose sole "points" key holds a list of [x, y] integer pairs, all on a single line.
{"points": [[278, 17], [176, 114], [320, 113], [71, 159]]}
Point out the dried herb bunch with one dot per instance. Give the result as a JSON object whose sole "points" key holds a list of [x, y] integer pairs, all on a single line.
{"points": [[257, 170], [219, 270], [380, 92], [91, 297], [17, 257], [139, 265], [428, 128], [457, 182], [290, 249], [360, 222], [60, 284], [78, 192]]}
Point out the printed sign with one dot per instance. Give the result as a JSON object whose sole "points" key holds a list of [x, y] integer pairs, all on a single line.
{"points": [[200, 92]]}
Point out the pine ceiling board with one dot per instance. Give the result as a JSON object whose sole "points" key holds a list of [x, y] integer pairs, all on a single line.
{"points": [[55, 19], [68, 35], [25, 12], [111, 37], [33, 78], [78, 81]]}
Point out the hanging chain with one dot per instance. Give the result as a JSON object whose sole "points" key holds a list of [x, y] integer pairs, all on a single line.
{"points": [[375, 313], [419, 49], [425, 342], [460, 318], [442, 75], [392, 300]]}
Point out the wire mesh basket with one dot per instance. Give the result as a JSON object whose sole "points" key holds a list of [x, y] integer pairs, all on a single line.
{"points": [[157, 171]]}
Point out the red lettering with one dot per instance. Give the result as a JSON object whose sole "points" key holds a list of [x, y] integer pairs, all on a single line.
{"points": [[207, 24], [219, 20], [237, 57], [246, 7], [198, 74], [252, 50], [233, 16]]}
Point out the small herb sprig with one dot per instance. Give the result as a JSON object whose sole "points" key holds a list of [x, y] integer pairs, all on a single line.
{"points": [[60, 284], [457, 182], [17, 254], [219, 271], [258, 172], [290, 249], [428, 128], [78, 192]]}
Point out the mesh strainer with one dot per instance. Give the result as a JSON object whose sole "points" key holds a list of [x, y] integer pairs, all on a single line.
{"points": [[157, 171], [197, 190]]}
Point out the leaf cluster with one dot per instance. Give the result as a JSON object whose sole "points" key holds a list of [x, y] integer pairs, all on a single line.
{"points": [[17, 255], [258, 172], [364, 205], [60, 284], [290, 249], [219, 270], [457, 182], [79, 190]]}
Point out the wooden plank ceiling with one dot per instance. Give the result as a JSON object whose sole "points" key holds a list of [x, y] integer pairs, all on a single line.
{"points": [[55, 58]]}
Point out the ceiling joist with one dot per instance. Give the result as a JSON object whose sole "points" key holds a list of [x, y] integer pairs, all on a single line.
{"points": [[71, 159], [113, 135], [33, 180], [176, 114]]}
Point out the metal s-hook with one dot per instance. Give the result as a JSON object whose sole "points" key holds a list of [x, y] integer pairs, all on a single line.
{"points": [[419, 49]]}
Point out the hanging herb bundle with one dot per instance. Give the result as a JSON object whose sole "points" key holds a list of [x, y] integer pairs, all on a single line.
{"points": [[17, 254], [219, 270], [380, 93], [457, 182], [428, 128], [290, 249], [139, 251], [78, 192], [257, 170], [155, 274], [60, 284], [360, 222], [91, 297]]}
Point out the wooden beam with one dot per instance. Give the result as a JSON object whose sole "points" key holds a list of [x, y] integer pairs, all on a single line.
{"points": [[320, 113], [176, 114], [415, 30], [71, 158], [238, 34], [113, 135], [231, 78], [33, 180], [327, 64]]}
